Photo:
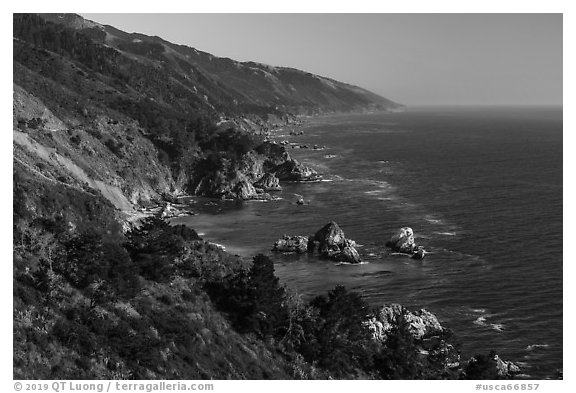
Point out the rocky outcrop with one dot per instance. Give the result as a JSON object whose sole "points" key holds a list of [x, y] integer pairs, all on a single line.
{"points": [[331, 243], [170, 210], [255, 173], [285, 168], [403, 241], [420, 324], [244, 190], [394, 324], [490, 367], [292, 170], [297, 244], [505, 368], [348, 254], [419, 253], [275, 154], [233, 186], [268, 182], [330, 237]]}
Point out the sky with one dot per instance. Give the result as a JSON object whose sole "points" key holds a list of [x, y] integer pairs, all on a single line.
{"points": [[414, 59]]}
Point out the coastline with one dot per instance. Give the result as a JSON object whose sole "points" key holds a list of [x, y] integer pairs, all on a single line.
{"points": [[397, 266], [116, 276]]}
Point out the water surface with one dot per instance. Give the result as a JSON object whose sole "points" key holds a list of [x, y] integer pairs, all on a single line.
{"points": [[482, 189]]}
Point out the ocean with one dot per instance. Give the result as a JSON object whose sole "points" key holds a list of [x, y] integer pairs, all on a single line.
{"points": [[482, 190]]}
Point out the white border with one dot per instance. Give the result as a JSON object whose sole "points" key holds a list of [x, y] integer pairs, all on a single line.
{"points": [[297, 6]]}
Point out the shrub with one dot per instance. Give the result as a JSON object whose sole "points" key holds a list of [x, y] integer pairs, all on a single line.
{"points": [[115, 147], [76, 139], [398, 359], [36, 123], [154, 248], [269, 316], [342, 341], [101, 266], [253, 299]]}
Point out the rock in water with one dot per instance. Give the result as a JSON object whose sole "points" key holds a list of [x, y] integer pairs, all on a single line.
{"points": [[329, 240], [268, 182], [490, 367], [402, 241], [350, 243], [297, 244], [332, 244], [506, 368], [349, 254], [419, 253], [330, 236]]}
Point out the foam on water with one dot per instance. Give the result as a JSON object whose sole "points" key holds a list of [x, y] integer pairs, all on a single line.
{"points": [[446, 233], [537, 346], [433, 220], [351, 264], [218, 245]]}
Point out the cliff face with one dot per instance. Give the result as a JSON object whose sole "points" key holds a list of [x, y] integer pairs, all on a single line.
{"points": [[131, 117]]}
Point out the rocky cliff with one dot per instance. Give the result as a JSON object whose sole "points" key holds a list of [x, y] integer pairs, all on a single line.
{"points": [[133, 118]]}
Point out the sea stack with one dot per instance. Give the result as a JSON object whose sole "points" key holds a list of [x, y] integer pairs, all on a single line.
{"points": [[297, 244], [332, 244], [403, 241]]}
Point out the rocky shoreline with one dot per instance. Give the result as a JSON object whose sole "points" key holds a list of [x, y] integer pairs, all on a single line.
{"points": [[434, 341], [255, 175]]}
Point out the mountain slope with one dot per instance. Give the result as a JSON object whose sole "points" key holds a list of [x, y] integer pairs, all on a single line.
{"points": [[235, 85], [102, 95]]}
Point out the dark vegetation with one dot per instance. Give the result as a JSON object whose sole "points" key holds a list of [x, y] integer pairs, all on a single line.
{"points": [[93, 303], [89, 305], [159, 302]]}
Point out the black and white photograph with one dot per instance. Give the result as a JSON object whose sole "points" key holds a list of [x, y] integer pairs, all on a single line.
{"points": [[287, 196]]}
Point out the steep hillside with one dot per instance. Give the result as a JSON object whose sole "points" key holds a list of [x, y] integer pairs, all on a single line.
{"points": [[231, 86], [135, 117], [108, 127]]}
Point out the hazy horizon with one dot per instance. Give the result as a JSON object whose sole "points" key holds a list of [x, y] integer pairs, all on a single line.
{"points": [[413, 59]]}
